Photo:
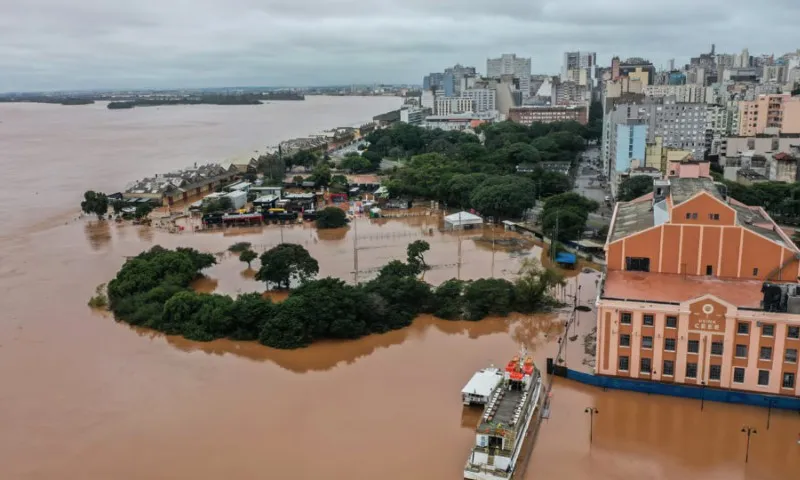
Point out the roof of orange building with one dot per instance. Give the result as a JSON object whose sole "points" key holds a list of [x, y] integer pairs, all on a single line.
{"points": [[663, 287]]}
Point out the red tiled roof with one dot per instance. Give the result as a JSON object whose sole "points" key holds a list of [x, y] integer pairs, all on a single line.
{"points": [[663, 287]]}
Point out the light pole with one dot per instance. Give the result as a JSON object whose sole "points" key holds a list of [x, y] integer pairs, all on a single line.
{"points": [[748, 431], [702, 395], [591, 411], [769, 412]]}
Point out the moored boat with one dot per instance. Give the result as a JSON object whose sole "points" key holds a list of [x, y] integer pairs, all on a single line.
{"points": [[510, 408]]}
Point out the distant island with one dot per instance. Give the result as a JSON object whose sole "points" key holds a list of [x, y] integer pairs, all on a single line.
{"points": [[60, 100], [245, 99]]}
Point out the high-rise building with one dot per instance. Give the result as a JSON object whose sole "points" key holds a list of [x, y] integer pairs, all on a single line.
{"points": [[742, 60], [510, 64], [484, 99], [579, 67], [699, 290], [770, 114]]}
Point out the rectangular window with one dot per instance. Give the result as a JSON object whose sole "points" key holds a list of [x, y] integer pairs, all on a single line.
{"points": [[672, 322], [637, 264], [755, 272], [688, 215], [623, 364], [767, 330], [788, 380], [647, 342], [742, 328], [715, 372], [765, 353], [741, 351], [793, 332], [669, 368], [624, 340], [691, 370], [790, 356], [625, 318], [738, 375], [647, 320], [645, 365], [694, 346], [763, 377], [694, 216], [709, 270], [716, 348], [669, 344]]}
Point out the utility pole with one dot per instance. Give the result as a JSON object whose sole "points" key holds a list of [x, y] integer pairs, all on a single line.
{"points": [[459, 247], [355, 250]]}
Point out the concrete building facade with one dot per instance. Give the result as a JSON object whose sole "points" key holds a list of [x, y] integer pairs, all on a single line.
{"points": [[681, 93], [509, 64], [485, 99], [528, 114], [769, 114], [700, 290], [451, 105]]}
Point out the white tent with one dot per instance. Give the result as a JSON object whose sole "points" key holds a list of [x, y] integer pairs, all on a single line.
{"points": [[461, 220]]}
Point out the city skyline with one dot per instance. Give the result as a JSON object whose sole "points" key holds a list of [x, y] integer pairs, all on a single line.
{"points": [[49, 45]]}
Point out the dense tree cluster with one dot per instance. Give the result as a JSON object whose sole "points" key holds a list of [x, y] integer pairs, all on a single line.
{"points": [[95, 203], [568, 212], [331, 217], [634, 187], [355, 163], [152, 290], [456, 169]]}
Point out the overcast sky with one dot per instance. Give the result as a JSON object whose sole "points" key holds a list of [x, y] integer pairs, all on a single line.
{"points": [[78, 44]]}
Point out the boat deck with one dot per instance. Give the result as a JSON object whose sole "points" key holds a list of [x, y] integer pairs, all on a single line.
{"points": [[502, 410]]}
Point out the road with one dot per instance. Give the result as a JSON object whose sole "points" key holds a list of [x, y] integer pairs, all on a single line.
{"points": [[588, 185]]}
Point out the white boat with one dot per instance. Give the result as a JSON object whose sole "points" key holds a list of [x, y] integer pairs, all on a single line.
{"points": [[510, 408]]}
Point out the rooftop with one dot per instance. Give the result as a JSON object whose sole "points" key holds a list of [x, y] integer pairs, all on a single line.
{"points": [[637, 215], [671, 288]]}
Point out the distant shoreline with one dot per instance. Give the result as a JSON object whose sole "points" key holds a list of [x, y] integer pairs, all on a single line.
{"points": [[134, 101]]}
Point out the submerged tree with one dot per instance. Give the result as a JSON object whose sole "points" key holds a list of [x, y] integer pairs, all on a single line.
{"points": [[95, 203], [247, 256], [415, 252], [286, 263]]}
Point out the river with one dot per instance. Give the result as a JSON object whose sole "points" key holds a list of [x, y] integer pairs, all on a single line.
{"points": [[85, 398]]}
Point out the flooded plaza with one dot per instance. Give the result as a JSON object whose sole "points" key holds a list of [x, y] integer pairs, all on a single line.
{"points": [[85, 397]]}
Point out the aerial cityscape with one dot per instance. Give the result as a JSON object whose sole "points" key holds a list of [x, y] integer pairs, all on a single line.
{"points": [[309, 241]]}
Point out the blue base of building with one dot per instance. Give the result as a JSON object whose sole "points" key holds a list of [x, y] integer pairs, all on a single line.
{"points": [[685, 391]]}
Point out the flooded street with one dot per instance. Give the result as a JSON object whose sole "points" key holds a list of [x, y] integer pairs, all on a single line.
{"points": [[85, 397]]}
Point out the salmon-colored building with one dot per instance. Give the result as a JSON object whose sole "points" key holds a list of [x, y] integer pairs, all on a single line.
{"points": [[700, 289]]}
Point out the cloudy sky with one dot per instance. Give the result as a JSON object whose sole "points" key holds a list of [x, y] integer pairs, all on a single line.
{"points": [[78, 44]]}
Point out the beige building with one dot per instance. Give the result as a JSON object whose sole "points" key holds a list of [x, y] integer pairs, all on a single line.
{"points": [[658, 156], [778, 113], [616, 88], [682, 93]]}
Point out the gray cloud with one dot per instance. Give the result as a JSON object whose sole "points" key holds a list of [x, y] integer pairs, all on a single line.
{"points": [[70, 44]]}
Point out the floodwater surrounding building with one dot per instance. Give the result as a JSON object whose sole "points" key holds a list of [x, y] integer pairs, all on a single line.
{"points": [[87, 398]]}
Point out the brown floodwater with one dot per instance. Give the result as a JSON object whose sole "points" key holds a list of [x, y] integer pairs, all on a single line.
{"points": [[85, 397]]}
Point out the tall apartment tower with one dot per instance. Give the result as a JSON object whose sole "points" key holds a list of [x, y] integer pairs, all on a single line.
{"points": [[510, 64], [579, 67]]}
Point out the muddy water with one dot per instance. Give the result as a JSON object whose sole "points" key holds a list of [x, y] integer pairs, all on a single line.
{"points": [[84, 397]]}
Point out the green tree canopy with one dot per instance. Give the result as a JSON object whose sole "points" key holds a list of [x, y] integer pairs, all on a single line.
{"points": [[355, 163], [286, 263], [331, 217], [503, 197], [94, 203], [247, 256], [634, 187]]}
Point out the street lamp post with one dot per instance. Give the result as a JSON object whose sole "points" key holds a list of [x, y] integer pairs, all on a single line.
{"points": [[769, 412], [591, 411], [702, 395], [748, 431]]}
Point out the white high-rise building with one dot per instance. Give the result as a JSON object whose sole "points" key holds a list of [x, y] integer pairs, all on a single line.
{"points": [[579, 67], [484, 99], [742, 60], [510, 64], [450, 105]]}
